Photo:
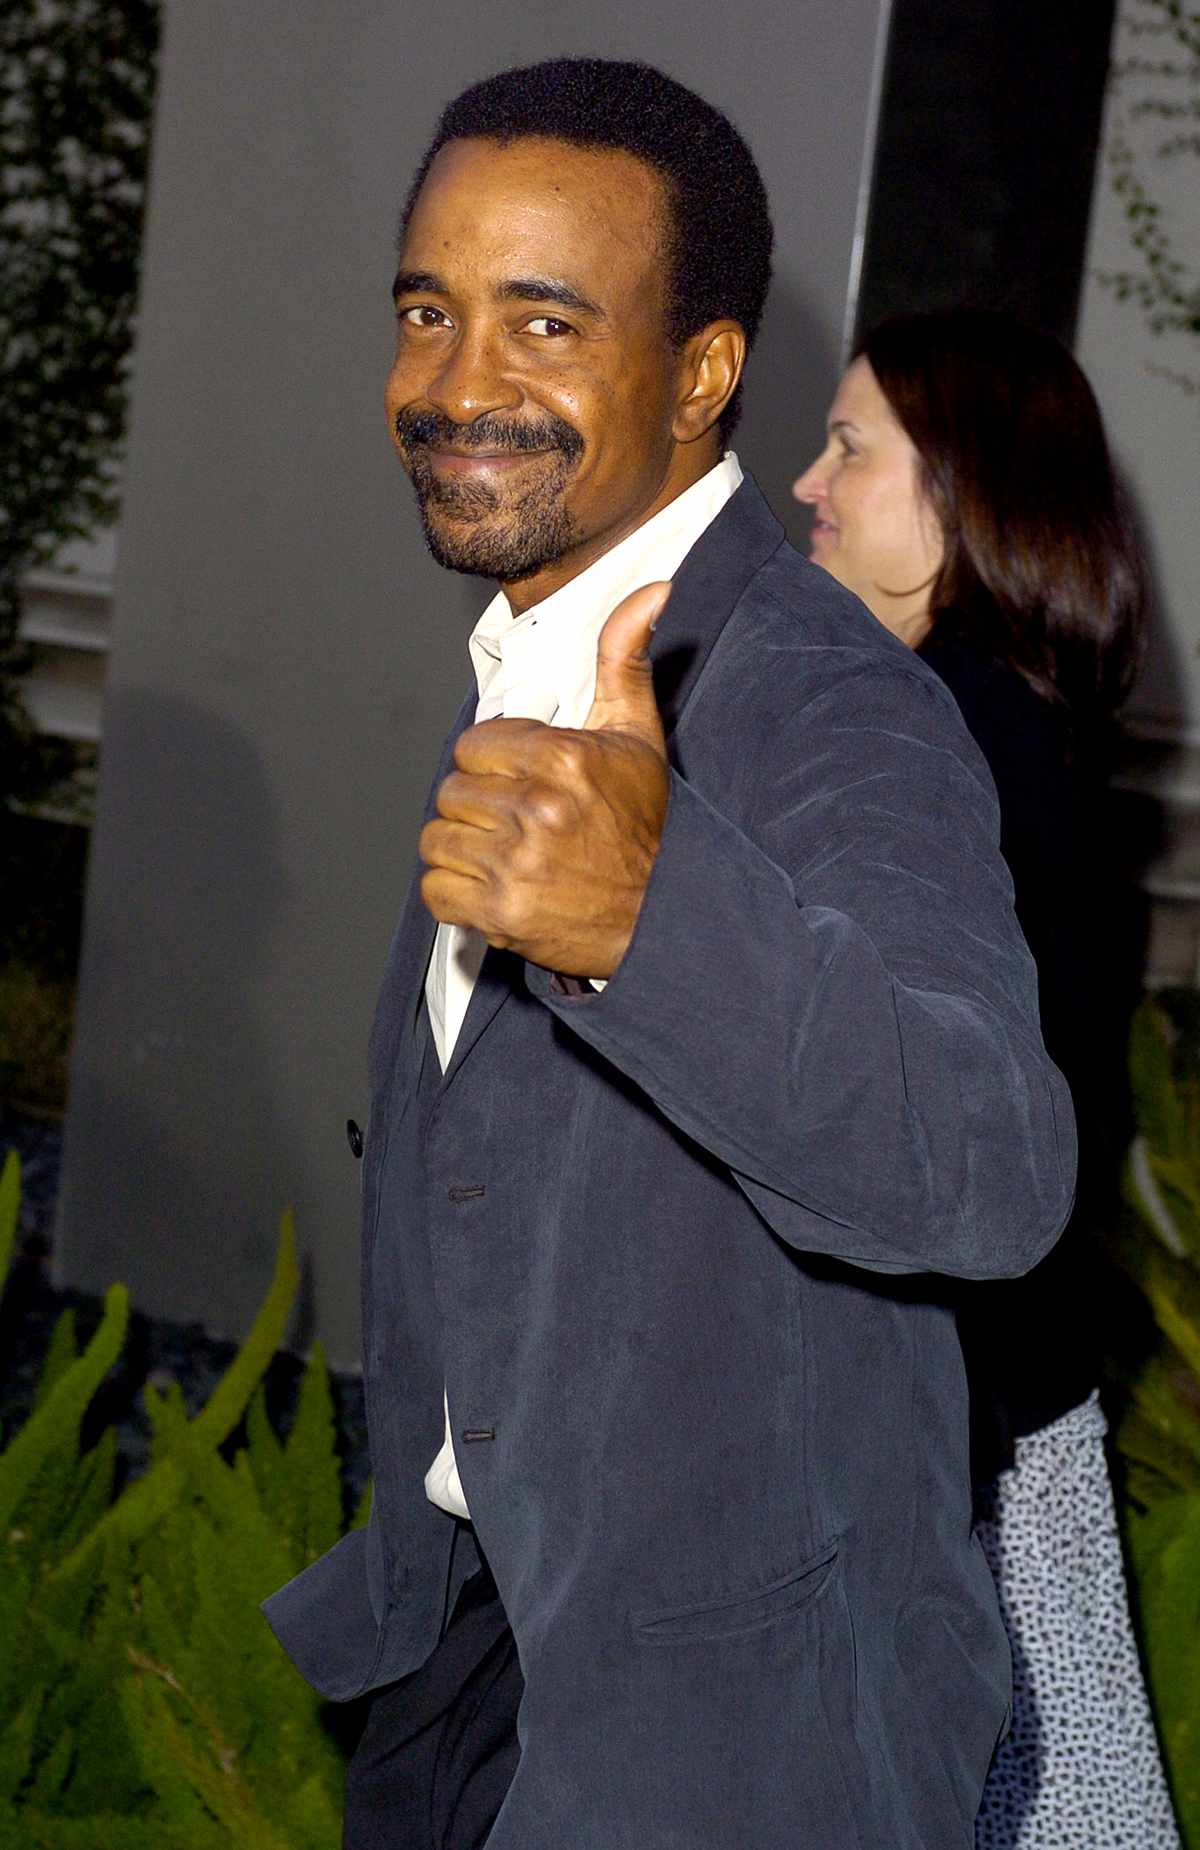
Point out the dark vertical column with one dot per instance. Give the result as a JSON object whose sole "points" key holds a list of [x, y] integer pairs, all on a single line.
{"points": [[988, 133]]}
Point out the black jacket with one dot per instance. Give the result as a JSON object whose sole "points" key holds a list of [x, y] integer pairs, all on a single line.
{"points": [[1033, 1344], [670, 1248]]}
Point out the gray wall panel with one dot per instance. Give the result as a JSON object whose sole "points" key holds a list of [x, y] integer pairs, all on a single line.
{"points": [[286, 655]]}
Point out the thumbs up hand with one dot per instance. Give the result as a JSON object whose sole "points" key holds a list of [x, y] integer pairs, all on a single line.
{"points": [[545, 837], [624, 698]]}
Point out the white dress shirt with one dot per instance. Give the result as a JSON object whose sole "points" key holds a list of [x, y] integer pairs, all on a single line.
{"points": [[542, 665]]}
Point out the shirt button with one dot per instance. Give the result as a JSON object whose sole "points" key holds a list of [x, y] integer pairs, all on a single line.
{"points": [[354, 1137]]}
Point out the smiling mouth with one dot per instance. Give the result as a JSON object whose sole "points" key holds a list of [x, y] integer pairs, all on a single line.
{"points": [[466, 461]]}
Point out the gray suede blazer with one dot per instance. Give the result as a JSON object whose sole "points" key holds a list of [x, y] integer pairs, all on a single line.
{"points": [[682, 1252]]}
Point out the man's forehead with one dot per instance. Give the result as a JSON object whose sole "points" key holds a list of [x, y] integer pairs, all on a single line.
{"points": [[538, 187]]}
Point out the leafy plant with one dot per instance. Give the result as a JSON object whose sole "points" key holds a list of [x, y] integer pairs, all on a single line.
{"points": [[143, 1699], [76, 92], [35, 1033], [1159, 1435], [1155, 117], [41, 876]]}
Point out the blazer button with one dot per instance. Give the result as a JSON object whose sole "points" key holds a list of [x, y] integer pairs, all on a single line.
{"points": [[354, 1137], [466, 1191]]}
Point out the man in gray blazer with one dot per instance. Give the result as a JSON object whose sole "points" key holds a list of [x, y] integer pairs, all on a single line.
{"points": [[707, 1055]]}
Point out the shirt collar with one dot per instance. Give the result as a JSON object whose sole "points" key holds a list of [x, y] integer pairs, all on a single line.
{"points": [[542, 664]]}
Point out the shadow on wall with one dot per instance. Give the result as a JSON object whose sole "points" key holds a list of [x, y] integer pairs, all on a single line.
{"points": [[790, 380], [1165, 673], [1152, 841], [151, 1195]]}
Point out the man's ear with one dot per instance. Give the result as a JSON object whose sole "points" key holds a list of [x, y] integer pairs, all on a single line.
{"points": [[711, 365]]}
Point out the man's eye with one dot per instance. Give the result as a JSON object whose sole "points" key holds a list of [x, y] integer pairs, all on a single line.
{"points": [[548, 325], [424, 315]]}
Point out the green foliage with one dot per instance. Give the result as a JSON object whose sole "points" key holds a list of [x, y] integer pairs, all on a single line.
{"points": [[36, 1015], [1164, 1544], [42, 865], [143, 1699], [1159, 1435], [1155, 117], [10, 1202], [76, 91]]}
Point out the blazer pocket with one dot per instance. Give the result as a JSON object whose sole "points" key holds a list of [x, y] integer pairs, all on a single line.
{"points": [[746, 1611]]}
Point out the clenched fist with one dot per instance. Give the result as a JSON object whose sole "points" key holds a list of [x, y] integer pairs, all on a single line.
{"points": [[545, 837]]}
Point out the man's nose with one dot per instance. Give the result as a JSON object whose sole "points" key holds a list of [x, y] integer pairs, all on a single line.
{"points": [[472, 381]]}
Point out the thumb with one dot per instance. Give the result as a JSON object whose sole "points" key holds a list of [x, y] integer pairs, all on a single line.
{"points": [[624, 699]]}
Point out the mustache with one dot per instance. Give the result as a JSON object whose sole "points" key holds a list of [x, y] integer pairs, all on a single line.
{"points": [[419, 429]]}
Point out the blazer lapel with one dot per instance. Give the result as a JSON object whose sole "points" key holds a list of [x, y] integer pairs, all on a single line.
{"points": [[500, 974], [393, 1036], [705, 589]]}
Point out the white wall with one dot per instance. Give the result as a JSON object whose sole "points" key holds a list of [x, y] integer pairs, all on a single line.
{"points": [[66, 618], [1153, 421], [1141, 379], [286, 657]]}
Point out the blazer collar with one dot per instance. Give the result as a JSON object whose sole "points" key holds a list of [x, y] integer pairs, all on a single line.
{"points": [[403, 984], [705, 589]]}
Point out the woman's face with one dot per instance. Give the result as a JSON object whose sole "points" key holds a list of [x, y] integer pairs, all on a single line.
{"points": [[874, 529]]}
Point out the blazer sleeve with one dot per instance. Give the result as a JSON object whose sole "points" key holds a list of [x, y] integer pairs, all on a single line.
{"points": [[832, 996]]}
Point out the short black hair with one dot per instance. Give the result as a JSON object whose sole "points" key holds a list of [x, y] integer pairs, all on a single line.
{"points": [[720, 223]]}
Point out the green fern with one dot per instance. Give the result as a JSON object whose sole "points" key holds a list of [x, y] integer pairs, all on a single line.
{"points": [[55, 1424], [1158, 1436], [92, 1491], [362, 1514], [52, 1776], [10, 1203], [16, 1589], [166, 1409], [103, 1831], [147, 1501], [1165, 1552], [143, 1699], [313, 1494], [264, 1454], [61, 1351], [195, 1773], [16, 1752]]}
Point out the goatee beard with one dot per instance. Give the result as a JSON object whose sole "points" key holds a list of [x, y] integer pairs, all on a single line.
{"points": [[468, 527], [473, 527]]}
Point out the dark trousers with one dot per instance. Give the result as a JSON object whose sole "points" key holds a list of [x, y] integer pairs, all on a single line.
{"points": [[439, 1748]]}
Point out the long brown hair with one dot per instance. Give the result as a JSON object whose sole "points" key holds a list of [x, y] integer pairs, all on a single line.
{"points": [[1040, 568]]}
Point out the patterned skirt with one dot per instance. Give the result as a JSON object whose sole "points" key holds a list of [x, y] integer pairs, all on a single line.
{"points": [[1080, 1769]]}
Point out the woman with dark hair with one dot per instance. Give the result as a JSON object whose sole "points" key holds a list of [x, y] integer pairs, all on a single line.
{"points": [[966, 494]]}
